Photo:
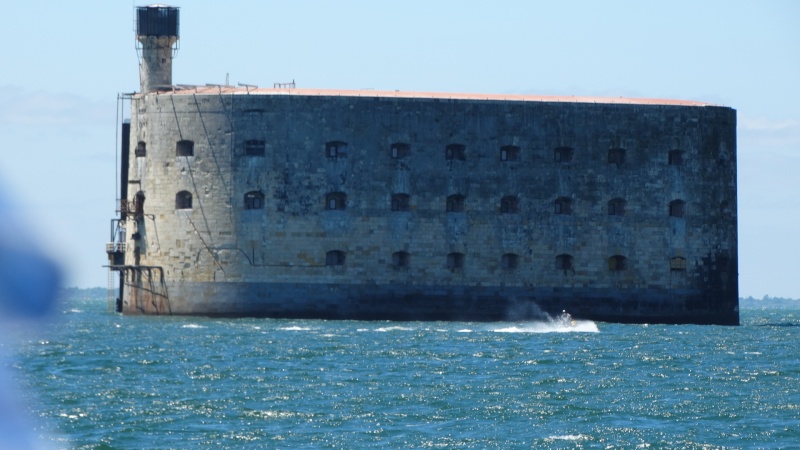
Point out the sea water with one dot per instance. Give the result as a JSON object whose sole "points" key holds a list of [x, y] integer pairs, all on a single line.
{"points": [[96, 380]]}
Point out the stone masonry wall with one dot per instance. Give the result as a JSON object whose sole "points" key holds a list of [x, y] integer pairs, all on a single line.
{"points": [[286, 240]]}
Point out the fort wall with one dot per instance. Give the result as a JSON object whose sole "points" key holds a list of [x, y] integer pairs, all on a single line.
{"points": [[288, 204]]}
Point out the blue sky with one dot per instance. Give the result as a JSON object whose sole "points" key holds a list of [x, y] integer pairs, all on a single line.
{"points": [[65, 62]]}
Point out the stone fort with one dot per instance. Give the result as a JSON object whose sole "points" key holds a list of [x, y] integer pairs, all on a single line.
{"points": [[310, 203]]}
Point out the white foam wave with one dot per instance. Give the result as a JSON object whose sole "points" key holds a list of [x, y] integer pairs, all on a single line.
{"points": [[192, 325], [385, 329], [578, 326], [567, 437], [295, 328]]}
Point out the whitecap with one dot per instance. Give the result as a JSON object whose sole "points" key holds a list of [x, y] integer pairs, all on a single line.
{"points": [[192, 325], [577, 326]]}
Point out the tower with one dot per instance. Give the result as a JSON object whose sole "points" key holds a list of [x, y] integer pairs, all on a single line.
{"points": [[157, 34]]}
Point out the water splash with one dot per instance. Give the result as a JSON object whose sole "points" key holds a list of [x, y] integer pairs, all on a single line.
{"points": [[552, 326]]}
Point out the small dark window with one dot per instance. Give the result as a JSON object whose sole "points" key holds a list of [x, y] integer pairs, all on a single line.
{"points": [[509, 261], [141, 149], [336, 149], [617, 263], [455, 203], [509, 205], [616, 207], [400, 260], [455, 152], [254, 200], [455, 262], [335, 201], [563, 154], [677, 264], [509, 153], [183, 200], [563, 206], [400, 150], [564, 262], [184, 148], [676, 158], [334, 258], [677, 208], [401, 202], [254, 148], [616, 156]]}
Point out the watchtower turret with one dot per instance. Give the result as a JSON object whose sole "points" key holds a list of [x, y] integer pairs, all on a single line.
{"points": [[157, 35]]}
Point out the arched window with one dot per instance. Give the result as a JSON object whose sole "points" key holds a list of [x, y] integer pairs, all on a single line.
{"points": [[509, 205], [677, 264], [183, 200], [336, 149], [334, 258], [509, 261], [254, 147], [400, 150], [401, 202], [563, 154], [675, 158], [254, 200], [455, 203], [457, 152], [616, 156], [138, 204], [677, 208], [141, 149], [563, 205], [455, 261], [616, 207], [509, 153], [184, 148], [564, 262], [335, 201], [617, 263], [400, 260]]}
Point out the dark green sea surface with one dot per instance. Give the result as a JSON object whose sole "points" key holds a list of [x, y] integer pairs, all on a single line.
{"points": [[97, 380]]}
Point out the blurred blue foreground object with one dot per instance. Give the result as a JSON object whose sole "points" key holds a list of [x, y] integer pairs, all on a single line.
{"points": [[29, 284]]}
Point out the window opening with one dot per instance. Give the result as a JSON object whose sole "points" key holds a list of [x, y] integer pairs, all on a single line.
{"points": [[334, 258], [616, 207], [401, 202], [509, 153], [677, 264], [455, 203], [509, 205], [616, 156], [400, 260], [184, 148], [455, 152], [563, 154], [617, 263], [336, 149], [676, 158], [141, 149], [455, 261], [564, 262], [563, 206], [183, 200], [677, 208], [254, 148], [400, 150], [509, 261], [335, 201], [254, 200]]}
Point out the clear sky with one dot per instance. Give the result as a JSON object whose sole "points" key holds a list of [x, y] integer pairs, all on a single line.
{"points": [[63, 64]]}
